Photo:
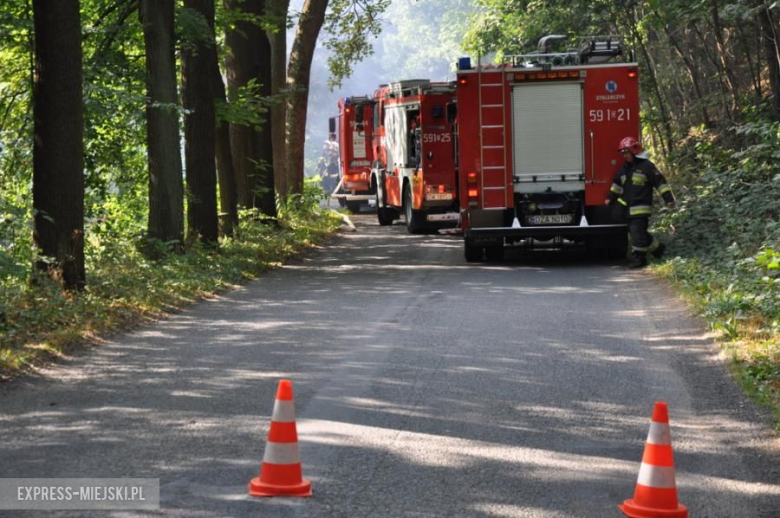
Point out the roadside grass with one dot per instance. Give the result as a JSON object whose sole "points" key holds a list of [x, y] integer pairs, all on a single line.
{"points": [[742, 304], [40, 322]]}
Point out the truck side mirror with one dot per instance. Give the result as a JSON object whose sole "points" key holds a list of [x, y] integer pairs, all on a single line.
{"points": [[332, 125]]}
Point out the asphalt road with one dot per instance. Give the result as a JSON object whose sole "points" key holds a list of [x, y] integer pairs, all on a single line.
{"points": [[424, 386]]}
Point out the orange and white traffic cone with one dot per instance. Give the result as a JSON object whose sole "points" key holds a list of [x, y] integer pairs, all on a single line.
{"points": [[656, 489], [281, 473]]}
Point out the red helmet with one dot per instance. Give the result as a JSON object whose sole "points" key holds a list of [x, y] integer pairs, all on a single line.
{"points": [[630, 144]]}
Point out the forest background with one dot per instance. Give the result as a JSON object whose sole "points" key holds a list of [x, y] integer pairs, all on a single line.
{"points": [[710, 80]]}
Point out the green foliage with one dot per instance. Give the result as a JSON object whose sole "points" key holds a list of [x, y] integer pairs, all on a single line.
{"points": [[726, 237], [514, 27], [247, 106], [351, 23], [193, 29]]}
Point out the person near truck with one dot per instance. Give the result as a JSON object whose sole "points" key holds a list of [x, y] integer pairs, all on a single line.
{"points": [[632, 188]]}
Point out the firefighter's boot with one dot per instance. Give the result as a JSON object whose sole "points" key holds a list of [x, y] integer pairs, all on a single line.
{"points": [[659, 251], [639, 260]]}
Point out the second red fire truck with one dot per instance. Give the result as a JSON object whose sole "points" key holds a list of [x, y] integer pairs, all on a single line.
{"points": [[414, 154]]}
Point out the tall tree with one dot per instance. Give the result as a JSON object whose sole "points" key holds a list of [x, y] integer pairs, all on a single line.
{"points": [[166, 192], [225, 170], [298, 73], [58, 162], [770, 33], [277, 14], [248, 65], [198, 59]]}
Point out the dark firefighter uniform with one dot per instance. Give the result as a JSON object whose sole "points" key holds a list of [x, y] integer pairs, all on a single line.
{"points": [[633, 188]]}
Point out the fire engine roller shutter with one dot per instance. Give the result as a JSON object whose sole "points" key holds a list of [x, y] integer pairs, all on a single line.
{"points": [[547, 129]]}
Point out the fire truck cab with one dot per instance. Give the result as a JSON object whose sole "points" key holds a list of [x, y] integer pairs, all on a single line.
{"points": [[414, 154], [538, 147], [354, 125]]}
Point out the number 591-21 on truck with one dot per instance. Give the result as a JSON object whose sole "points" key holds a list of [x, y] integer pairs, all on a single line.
{"points": [[538, 147]]}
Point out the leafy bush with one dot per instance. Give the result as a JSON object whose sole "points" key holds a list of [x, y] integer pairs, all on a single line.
{"points": [[726, 238]]}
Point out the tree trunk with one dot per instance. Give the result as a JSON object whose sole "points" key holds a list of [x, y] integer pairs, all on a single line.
{"points": [[668, 141], [226, 172], [755, 71], [166, 192], [278, 10], [771, 38], [690, 66], [266, 198], [249, 58], [725, 69], [298, 73], [200, 128], [58, 149]]}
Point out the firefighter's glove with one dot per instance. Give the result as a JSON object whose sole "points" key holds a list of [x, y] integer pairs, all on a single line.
{"points": [[670, 205]]}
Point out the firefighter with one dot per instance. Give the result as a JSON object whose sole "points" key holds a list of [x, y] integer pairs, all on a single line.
{"points": [[633, 189]]}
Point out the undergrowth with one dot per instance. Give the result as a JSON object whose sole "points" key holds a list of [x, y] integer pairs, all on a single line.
{"points": [[725, 248]]}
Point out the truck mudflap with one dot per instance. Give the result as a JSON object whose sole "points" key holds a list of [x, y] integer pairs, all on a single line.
{"points": [[491, 236]]}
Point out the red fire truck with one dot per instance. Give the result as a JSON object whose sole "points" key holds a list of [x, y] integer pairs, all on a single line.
{"points": [[538, 147], [414, 154], [353, 128]]}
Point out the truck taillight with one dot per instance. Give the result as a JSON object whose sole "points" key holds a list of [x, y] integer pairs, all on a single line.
{"points": [[633, 74], [471, 178], [473, 195]]}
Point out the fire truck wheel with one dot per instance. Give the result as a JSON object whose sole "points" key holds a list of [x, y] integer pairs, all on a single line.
{"points": [[473, 253], [413, 217], [386, 215], [494, 253]]}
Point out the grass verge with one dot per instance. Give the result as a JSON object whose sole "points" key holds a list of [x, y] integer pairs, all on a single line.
{"points": [[740, 303], [41, 322]]}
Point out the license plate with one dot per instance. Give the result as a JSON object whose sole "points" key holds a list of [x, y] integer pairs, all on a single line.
{"points": [[550, 219], [438, 196]]}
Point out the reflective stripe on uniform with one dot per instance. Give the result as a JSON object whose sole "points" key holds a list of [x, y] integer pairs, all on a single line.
{"points": [[656, 476], [638, 210], [639, 248], [616, 189], [664, 188], [282, 453], [622, 202], [638, 179]]}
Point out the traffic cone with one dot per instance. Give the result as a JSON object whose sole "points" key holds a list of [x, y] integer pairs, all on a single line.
{"points": [[281, 473], [656, 490]]}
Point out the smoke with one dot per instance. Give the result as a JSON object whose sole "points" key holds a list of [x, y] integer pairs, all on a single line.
{"points": [[420, 39]]}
